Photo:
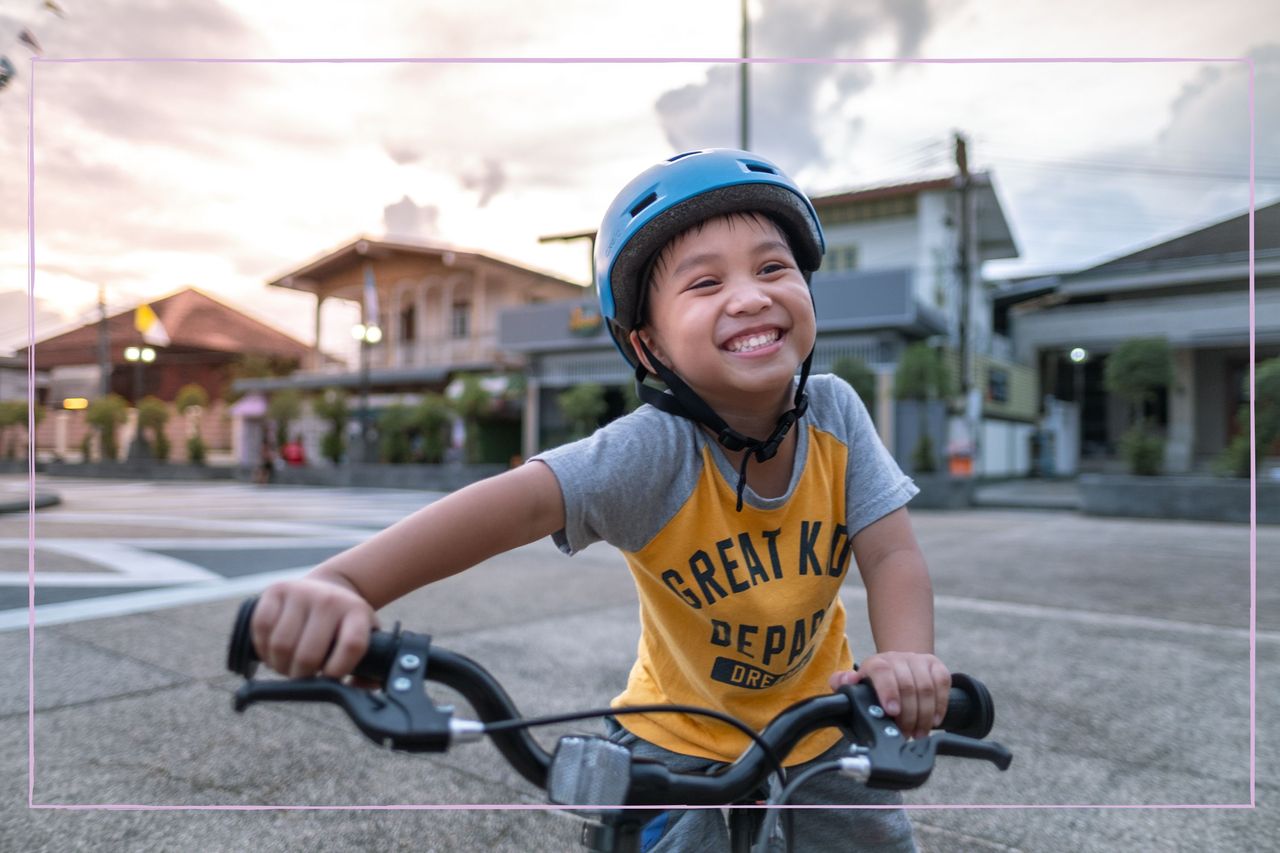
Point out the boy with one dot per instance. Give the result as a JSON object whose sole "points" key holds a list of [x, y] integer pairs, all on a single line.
{"points": [[703, 265]]}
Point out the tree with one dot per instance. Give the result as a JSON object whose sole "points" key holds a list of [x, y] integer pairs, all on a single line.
{"points": [[1237, 460], [252, 366], [583, 405], [395, 434], [472, 402], [922, 374], [431, 419], [13, 413], [284, 408], [191, 400], [1136, 372], [863, 379], [153, 415], [106, 415], [331, 407]]}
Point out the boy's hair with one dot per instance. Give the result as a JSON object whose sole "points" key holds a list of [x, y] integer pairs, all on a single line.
{"points": [[655, 265]]}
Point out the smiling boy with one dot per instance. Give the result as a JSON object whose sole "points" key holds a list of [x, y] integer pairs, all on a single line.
{"points": [[737, 496]]}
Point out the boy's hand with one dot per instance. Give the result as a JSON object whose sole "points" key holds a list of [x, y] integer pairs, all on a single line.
{"points": [[913, 688], [304, 626]]}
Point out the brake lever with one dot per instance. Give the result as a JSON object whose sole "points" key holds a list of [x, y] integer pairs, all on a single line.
{"points": [[887, 759], [400, 717]]}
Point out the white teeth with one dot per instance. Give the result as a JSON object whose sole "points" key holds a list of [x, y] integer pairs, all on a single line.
{"points": [[752, 342]]}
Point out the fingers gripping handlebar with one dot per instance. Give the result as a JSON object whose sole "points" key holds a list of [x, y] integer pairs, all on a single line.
{"points": [[401, 716]]}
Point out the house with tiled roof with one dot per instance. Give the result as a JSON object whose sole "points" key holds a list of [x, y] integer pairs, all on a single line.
{"points": [[206, 336]]}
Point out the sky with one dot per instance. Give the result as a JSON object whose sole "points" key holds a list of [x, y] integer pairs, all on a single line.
{"points": [[153, 176]]}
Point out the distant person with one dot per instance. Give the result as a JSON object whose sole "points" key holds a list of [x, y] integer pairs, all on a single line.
{"points": [[293, 452], [266, 463], [738, 496]]}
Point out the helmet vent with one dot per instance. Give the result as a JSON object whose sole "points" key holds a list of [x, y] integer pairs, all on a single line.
{"points": [[760, 167], [643, 203]]}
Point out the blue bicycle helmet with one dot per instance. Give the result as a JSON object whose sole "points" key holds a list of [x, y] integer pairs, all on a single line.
{"points": [[665, 200]]}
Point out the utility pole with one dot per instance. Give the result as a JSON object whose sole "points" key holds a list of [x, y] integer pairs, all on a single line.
{"points": [[744, 106], [964, 271], [104, 344]]}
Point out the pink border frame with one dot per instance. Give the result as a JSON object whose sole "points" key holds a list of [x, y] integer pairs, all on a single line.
{"points": [[31, 590]]}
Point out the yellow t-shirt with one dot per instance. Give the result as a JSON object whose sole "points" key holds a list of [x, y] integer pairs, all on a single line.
{"points": [[739, 611]]}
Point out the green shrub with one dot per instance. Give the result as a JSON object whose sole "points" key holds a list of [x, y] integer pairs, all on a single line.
{"points": [[583, 405], [284, 408], [1235, 460], [395, 434], [1143, 450], [106, 415], [922, 374], [195, 450], [153, 415], [863, 379], [471, 404], [922, 458], [432, 418], [331, 406]]}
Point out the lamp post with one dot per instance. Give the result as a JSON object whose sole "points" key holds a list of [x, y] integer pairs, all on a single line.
{"points": [[367, 336], [138, 356]]}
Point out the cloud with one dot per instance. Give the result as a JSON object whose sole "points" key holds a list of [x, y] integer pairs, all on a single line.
{"points": [[13, 326], [1209, 119], [406, 220], [488, 178], [789, 102]]}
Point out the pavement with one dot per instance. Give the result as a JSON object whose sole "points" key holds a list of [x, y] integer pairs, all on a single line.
{"points": [[1118, 652]]}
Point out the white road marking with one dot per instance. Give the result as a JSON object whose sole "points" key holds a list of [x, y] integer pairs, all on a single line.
{"points": [[144, 601], [1086, 617]]}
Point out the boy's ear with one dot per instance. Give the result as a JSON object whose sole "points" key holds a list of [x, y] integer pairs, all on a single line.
{"points": [[637, 335]]}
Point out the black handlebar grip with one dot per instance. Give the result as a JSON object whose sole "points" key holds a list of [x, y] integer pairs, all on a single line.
{"points": [[970, 711], [243, 658]]}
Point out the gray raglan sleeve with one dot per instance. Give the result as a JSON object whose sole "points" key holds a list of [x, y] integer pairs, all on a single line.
{"points": [[617, 483], [874, 484]]}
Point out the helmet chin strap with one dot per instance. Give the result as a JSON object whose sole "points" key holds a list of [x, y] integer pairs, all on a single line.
{"points": [[684, 402]]}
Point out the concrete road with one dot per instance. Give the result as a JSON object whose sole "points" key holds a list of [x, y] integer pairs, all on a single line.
{"points": [[1118, 653]]}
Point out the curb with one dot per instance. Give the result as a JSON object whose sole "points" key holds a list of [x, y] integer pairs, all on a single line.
{"points": [[43, 501]]}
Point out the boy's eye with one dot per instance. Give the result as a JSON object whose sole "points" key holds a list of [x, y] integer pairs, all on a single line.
{"points": [[772, 267], [701, 283]]}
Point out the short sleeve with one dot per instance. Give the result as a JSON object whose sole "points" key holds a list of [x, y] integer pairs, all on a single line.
{"points": [[874, 484], [622, 483]]}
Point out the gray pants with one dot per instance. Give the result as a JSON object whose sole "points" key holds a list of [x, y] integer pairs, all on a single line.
{"points": [[816, 830]]}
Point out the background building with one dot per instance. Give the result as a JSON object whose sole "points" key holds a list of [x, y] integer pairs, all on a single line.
{"points": [[206, 340], [897, 270], [1192, 290]]}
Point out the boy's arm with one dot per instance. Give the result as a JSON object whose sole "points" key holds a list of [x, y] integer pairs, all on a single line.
{"points": [[912, 684], [323, 619]]}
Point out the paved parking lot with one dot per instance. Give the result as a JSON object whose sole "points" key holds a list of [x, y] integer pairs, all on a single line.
{"points": [[1118, 652]]}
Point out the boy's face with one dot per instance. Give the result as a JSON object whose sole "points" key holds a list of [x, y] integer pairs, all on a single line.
{"points": [[730, 312]]}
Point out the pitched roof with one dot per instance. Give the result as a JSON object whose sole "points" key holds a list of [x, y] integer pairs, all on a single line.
{"points": [[1224, 239], [193, 320], [352, 254]]}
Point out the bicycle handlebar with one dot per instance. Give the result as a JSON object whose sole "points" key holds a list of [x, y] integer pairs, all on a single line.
{"points": [[402, 716]]}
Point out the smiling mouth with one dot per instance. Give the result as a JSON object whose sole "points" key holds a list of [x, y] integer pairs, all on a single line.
{"points": [[752, 342]]}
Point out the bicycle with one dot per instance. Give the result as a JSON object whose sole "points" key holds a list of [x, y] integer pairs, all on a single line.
{"points": [[597, 778]]}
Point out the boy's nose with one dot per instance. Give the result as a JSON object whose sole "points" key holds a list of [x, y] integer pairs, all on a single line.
{"points": [[748, 297]]}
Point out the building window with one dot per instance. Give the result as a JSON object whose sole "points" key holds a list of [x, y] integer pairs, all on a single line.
{"points": [[460, 320], [841, 259], [408, 324]]}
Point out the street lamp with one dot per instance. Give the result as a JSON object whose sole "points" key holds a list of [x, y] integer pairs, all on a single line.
{"points": [[138, 356], [367, 335]]}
